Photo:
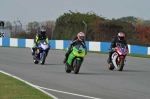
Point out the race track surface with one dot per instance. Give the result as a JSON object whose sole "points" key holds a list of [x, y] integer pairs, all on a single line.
{"points": [[94, 78]]}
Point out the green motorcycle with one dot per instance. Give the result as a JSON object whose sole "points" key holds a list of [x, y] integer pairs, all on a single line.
{"points": [[75, 59]]}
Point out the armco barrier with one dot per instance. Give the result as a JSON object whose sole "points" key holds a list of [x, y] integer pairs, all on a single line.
{"points": [[62, 44]]}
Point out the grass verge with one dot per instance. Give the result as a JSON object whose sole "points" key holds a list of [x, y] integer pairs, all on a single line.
{"points": [[11, 88]]}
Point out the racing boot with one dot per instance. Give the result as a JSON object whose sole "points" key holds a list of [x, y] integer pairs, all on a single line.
{"points": [[32, 50]]}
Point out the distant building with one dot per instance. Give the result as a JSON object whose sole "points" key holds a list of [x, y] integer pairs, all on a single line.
{"points": [[2, 24], [4, 32]]}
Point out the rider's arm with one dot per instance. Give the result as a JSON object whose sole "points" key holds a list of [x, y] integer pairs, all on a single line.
{"points": [[84, 44], [126, 44], [36, 38], [47, 40], [113, 43], [73, 41]]}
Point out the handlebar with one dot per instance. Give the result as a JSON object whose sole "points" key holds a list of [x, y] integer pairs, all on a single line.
{"points": [[114, 49]]}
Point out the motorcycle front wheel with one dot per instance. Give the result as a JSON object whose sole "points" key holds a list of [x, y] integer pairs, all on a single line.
{"points": [[77, 66], [121, 64], [42, 61]]}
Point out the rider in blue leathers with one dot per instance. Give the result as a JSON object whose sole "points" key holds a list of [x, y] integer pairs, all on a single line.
{"points": [[41, 36]]}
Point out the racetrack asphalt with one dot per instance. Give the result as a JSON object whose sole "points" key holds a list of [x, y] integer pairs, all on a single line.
{"points": [[94, 78]]}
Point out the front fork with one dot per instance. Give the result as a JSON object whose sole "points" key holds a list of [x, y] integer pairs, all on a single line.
{"points": [[41, 54], [119, 58], [75, 61]]}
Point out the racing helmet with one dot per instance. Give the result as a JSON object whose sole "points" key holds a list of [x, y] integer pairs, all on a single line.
{"points": [[42, 31], [121, 36], [81, 36]]}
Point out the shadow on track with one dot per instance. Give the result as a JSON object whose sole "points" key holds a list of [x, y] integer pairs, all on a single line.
{"points": [[82, 73], [134, 71], [98, 73], [52, 64], [46, 64]]}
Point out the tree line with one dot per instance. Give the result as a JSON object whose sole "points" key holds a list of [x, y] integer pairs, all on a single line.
{"points": [[66, 27]]}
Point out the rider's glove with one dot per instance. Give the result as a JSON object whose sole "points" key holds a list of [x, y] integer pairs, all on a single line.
{"points": [[36, 43], [113, 49]]}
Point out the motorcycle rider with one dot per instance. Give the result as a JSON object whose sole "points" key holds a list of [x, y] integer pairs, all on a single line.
{"points": [[40, 36], [76, 40], [119, 39]]}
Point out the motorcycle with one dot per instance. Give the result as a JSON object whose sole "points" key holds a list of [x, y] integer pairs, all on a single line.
{"points": [[75, 59], [41, 52], [118, 57]]}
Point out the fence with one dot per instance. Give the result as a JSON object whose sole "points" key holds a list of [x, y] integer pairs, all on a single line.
{"points": [[63, 44]]}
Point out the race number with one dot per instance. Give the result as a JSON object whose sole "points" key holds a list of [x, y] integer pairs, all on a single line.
{"points": [[2, 34]]}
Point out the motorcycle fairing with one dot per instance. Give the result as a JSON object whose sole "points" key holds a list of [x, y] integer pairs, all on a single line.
{"points": [[114, 57]]}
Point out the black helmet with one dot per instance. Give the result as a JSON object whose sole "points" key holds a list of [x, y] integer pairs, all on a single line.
{"points": [[42, 31]]}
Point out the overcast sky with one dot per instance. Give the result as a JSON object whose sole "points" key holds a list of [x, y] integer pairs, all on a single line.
{"points": [[42, 10]]}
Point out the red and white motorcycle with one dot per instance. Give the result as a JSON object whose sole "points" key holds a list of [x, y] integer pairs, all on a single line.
{"points": [[118, 57]]}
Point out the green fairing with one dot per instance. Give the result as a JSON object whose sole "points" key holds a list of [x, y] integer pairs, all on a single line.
{"points": [[72, 56]]}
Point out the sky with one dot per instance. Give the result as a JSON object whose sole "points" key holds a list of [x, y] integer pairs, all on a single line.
{"points": [[43, 10]]}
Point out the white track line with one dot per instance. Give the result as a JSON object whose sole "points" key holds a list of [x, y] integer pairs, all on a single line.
{"points": [[40, 88], [68, 93], [29, 84]]}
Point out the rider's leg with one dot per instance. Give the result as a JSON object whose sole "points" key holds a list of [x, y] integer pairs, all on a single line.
{"points": [[109, 58], [34, 48], [67, 54]]}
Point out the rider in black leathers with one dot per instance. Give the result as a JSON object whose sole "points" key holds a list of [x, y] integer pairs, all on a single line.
{"points": [[76, 40], [119, 39]]}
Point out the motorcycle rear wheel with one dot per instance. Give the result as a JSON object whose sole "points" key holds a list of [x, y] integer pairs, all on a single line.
{"points": [[66, 68], [110, 66]]}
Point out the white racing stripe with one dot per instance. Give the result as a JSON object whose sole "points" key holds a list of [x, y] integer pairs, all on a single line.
{"points": [[68, 93], [42, 88], [29, 84]]}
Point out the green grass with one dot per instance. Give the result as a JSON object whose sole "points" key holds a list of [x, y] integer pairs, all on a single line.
{"points": [[11, 88], [139, 55]]}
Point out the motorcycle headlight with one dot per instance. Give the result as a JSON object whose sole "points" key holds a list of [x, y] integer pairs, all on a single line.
{"points": [[82, 55], [44, 46], [75, 54], [78, 55], [119, 53]]}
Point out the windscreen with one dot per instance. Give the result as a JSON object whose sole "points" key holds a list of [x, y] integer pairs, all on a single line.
{"points": [[79, 46], [43, 42], [121, 45]]}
